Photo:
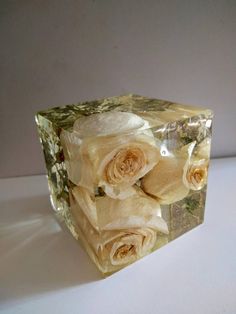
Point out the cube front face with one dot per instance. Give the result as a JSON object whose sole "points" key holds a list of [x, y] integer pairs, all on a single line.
{"points": [[127, 174]]}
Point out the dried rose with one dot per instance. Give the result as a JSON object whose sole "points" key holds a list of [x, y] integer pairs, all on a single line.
{"points": [[106, 213], [165, 180], [196, 170], [195, 174], [110, 249], [113, 162], [128, 245]]}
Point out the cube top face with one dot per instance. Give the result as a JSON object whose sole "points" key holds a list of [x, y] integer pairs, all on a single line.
{"points": [[128, 174], [156, 111]]}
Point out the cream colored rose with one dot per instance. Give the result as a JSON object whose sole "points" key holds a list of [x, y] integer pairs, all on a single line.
{"points": [[125, 164], [195, 176], [113, 162], [196, 170], [172, 178], [120, 168], [106, 213], [110, 249], [128, 245], [165, 180]]}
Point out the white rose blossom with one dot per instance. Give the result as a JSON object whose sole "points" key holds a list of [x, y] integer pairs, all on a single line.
{"points": [[114, 162], [195, 174], [196, 171], [175, 175], [165, 180], [118, 241], [106, 213]]}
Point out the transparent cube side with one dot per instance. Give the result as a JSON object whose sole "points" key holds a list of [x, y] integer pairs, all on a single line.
{"points": [[49, 135]]}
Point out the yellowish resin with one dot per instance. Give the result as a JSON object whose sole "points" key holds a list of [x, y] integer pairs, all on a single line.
{"points": [[127, 174]]}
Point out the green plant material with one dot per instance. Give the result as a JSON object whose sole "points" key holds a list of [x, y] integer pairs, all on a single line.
{"points": [[191, 204]]}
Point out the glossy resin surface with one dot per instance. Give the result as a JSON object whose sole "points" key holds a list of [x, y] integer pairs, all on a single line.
{"points": [[127, 174]]}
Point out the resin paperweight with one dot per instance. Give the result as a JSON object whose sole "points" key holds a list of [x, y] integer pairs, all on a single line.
{"points": [[126, 174]]}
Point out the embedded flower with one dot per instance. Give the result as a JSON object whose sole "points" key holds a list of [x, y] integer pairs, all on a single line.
{"points": [[118, 169], [75, 156], [196, 171], [126, 163], [128, 246], [110, 160], [106, 213], [195, 176], [165, 180], [127, 230], [108, 123]]}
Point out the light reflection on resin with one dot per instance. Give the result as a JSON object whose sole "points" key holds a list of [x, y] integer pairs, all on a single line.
{"points": [[127, 174]]}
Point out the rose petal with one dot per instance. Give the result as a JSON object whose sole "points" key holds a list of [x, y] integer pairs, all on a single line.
{"points": [[87, 204], [106, 213], [78, 165], [136, 211], [165, 180], [120, 191], [107, 123], [102, 246]]}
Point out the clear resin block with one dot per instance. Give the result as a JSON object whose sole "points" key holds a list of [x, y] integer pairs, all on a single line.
{"points": [[127, 174]]}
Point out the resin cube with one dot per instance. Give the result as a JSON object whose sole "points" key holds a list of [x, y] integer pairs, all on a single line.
{"points": [[127, 174]]}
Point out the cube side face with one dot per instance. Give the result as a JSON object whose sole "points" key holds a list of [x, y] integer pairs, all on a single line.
{"points": [[49, 134], [127, 174]]}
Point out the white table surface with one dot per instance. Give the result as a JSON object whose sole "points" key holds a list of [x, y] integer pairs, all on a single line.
{"points": [[44, 270]]}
